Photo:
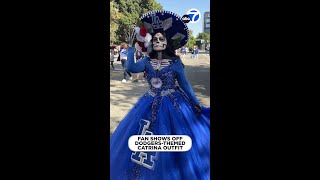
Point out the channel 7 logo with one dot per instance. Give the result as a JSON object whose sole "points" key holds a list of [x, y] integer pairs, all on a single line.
{"points": [[192, 16]]}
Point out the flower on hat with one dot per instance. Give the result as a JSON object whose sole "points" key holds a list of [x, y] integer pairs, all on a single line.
{"points": [[143, 31], [143, 40]]}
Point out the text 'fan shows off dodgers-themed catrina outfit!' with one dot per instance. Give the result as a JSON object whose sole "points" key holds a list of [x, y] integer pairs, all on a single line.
{"points": [[169, 107]]}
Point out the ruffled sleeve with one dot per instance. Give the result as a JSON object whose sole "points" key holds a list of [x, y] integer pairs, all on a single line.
{"points": [[132, 66]]}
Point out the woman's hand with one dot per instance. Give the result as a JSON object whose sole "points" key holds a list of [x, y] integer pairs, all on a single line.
{"points": [[199, 109]]}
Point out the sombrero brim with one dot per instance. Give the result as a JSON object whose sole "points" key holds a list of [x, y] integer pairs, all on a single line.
{"points": [[168, 22]]}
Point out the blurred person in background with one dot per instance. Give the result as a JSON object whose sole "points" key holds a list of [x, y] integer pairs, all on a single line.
{"points": [[123, 59], [112, 56], [192, 53], [184, 52], [196, 52]]}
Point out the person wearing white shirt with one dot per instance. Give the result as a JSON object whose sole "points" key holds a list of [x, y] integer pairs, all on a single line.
{"points": [[123, 59], [111, 58]]}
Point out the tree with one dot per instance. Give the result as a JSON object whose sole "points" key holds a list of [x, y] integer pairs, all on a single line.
{"points": [[192, 40], [114, 18], [204, 36], [150, 5], [203, 39], [130, 12]]}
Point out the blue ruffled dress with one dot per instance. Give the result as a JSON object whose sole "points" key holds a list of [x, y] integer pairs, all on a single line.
{"points": [[165, 109]]}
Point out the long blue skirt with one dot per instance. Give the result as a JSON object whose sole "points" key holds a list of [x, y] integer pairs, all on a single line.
{"points": [[191, 165]]}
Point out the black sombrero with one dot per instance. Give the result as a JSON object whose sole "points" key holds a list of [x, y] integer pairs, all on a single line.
{"points": [[168, 22]]}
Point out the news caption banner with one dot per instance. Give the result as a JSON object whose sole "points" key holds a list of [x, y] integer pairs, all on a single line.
{"points": [[146, 146], [160, 143]]}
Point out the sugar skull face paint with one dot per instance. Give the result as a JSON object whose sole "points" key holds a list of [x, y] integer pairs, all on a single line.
{"points": [[159, 42]]}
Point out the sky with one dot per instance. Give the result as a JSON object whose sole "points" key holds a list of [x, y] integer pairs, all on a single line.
{"points": [[181, 7]]}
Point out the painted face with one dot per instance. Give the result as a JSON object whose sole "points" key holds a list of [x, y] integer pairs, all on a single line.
{"points": [[159, 42]]}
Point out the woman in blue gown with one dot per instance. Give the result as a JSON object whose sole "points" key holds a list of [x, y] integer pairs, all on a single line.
{"points": [[169, 107]]}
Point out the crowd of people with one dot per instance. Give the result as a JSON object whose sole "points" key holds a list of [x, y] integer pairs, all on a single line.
{"points": [[194, 52], [121, 53]]}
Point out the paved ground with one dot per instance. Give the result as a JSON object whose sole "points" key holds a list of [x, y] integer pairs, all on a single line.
{"points": [[124, 95]]}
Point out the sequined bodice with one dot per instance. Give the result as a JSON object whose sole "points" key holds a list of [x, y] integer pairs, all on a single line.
{"points": [[163, 79], [170, 81]]}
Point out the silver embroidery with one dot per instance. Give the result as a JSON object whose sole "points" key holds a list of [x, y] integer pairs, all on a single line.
{"points": [[178, 35], [167, 24], [156, 22], [162, 93]]}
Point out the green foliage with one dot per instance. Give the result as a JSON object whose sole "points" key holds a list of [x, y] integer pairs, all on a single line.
{"points": [[129, 13], [114, 18], [192, 40], [204, 36]]}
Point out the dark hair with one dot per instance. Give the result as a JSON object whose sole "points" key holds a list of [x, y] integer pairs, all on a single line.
{"points": [[168, 53], [123, 45], [112, 46]]}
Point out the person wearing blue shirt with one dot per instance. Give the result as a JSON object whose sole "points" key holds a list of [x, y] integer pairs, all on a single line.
{"points": [[196, 52]]}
